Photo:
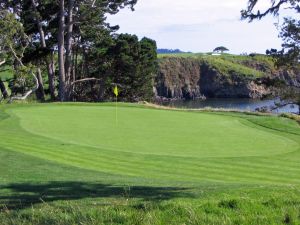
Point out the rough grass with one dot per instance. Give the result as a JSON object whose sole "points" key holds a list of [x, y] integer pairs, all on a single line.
{"points": [[71, 164], [226, 66], [246, 66]]}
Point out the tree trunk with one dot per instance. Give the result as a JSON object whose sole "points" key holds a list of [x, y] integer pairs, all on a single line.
{"points": [[44, 45], [3, 90], [40, 93], [51, 76], [74, 62], [2, 86], [69, 44], [61, 54], [69, 40], [86, 71]]}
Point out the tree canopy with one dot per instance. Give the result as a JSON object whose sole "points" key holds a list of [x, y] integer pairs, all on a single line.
{"points": [[68, 44], [252, 13], [221, 49], [289, 55], [290, 52]]}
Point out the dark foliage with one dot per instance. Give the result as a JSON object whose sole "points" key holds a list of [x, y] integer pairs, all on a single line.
{"points": [[288, 57], [121, 60], [93, 58], [221, 49]]}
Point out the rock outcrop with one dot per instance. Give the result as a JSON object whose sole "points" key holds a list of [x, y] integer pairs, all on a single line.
{"points": [[178, 79], [192, 77], [214, 84]]}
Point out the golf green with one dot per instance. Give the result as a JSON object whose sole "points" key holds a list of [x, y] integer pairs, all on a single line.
{"points": [[156, 144]]}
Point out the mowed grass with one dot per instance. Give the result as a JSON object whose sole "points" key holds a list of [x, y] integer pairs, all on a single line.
{"points": [[73, 164]]}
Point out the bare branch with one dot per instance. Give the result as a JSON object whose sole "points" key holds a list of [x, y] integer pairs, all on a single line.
{"points": [[15, 55], [84, 80], [248, 14], [28, 93], [24, 97], [3, 62]]}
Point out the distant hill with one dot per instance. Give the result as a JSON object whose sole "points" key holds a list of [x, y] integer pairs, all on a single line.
{"points": [[169, 51]]}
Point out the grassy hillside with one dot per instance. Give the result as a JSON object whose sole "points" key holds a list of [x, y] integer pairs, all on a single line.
{"points": [[249, 66], [72, 164]]}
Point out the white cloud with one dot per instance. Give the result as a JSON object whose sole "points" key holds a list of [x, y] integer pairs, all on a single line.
{"points": [[197, 25]]}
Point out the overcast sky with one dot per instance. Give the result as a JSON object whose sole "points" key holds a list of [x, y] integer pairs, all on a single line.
{"points": [[198, 25]]}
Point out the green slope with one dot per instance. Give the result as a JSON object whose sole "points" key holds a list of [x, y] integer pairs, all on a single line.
{"points": [[157, 144], [70, 164], [254, 66]]}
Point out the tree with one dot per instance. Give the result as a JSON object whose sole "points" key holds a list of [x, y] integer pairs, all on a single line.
{"points": [[221, 49], [73, 12], [61, 50], [3, 91], [14, 43], [74, 35], [148, 67], [38, 21], [275, 6], [121, 60], [134, 66], [28, 14], [289, 55], [61, 26]]}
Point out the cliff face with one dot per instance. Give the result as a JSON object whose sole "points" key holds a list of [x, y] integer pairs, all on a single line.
{"points": [[178, 79], [217, 85], [231, 77]]}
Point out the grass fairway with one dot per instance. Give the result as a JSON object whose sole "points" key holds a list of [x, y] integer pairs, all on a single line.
{"points": [[72, 164]]}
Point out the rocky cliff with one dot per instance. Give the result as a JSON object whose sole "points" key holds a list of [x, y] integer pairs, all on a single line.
{"points": [[178, 78], [218, 76]]}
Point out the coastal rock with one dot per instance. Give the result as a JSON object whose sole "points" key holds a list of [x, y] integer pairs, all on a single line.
{"points": [[178, 79], [190, 78]]}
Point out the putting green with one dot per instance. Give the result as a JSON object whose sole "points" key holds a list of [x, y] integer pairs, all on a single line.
{"points": [[147, 131], [152, 143]]}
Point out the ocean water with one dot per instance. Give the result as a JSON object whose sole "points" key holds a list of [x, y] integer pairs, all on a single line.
{"points": [[231, 103]]}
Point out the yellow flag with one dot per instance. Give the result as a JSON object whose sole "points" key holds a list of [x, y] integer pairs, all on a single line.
{"points": [[116, 91]]}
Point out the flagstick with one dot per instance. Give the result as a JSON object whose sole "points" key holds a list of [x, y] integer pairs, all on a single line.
{"points": [[116, 92], [116, 110]]}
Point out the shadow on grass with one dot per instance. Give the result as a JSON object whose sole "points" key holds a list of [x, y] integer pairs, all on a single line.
{"points": [[19, 196]]}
